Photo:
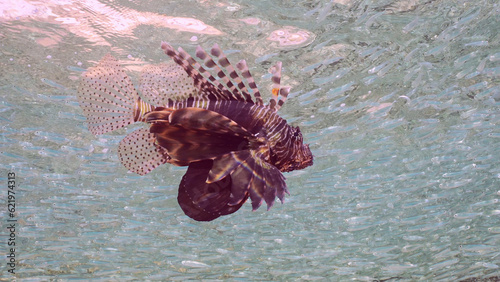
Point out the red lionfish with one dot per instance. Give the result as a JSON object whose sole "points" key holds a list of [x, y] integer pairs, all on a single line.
{"points": [[234, 145]]}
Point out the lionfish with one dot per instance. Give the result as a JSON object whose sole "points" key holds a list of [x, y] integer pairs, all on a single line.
{"points": [[234, 145]]}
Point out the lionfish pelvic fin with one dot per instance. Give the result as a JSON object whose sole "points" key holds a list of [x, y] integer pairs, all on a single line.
{"points": [[266, 181]]}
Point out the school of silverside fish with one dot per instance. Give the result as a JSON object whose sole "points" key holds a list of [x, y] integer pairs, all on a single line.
{"points": [[234, 145]]}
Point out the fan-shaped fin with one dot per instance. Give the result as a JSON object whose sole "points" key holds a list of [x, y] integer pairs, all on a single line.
{"points": [[139, 153], [203, 201], [164, 82], [107, 96], [266, 182]]}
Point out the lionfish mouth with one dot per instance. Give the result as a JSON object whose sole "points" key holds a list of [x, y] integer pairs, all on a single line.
{"points": [[304, 164]]}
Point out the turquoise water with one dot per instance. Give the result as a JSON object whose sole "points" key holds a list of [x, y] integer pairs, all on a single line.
{"points": [[399, 100]]}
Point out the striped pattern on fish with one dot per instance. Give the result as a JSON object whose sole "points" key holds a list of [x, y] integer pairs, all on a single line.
{"points": [[235, 147]]}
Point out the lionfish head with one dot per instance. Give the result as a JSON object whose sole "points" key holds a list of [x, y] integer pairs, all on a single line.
{"points": [[301, 156]]}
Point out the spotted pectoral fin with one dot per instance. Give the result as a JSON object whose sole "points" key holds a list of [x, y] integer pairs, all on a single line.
{"points": [[139, 153], [251, 174], [204, 201]]}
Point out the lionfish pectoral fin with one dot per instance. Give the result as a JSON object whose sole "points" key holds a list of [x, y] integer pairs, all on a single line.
{"points": [[251, 175], [226, 164], [193, 134], [268, 182], [187, 145], [232, 165], [203, 201], [206, 120], [164, 82], [107, 96], [139, 153]]}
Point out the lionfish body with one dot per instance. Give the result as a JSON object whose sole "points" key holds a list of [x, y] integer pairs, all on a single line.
{"points": [[235, 147]]}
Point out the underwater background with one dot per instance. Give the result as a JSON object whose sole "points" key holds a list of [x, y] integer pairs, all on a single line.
{"points": [[399, 101]]}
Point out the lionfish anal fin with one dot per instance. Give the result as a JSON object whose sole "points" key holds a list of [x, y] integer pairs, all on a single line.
{"points": [[139, 153]]}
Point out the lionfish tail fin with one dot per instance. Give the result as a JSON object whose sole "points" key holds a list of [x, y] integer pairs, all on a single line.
{"points": [[139, 153], [108, 97], [279, 93]]}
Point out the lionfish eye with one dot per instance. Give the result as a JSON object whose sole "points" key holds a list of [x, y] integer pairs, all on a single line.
{"points": [[296, 132]]}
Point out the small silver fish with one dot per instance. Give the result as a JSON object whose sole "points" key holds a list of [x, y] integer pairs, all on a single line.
{"points": [[234, 145]]}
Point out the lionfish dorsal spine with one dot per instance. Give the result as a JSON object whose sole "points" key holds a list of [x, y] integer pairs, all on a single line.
{"points": [[170, 51], [184, 63], [279, 93], [283, 95], [245, 72], [225, 64], [209, 63], [194, 70]]}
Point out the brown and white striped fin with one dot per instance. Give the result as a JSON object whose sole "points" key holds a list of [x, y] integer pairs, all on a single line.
{"points": [[107, 96], [284, 91], [225, 71], [164, 82], [245, 72], [279, 94], [139, 153], [194, 134], [266, 182], [206, 120], [209, 63], [206, 88], [225, 64]]}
